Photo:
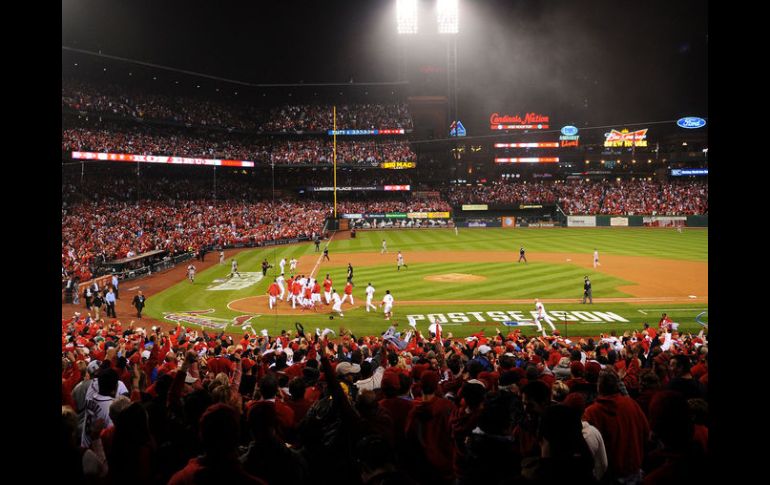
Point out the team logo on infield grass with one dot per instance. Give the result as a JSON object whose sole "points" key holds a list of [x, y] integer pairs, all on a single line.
{"points": [[197, 317], [236, 283]]}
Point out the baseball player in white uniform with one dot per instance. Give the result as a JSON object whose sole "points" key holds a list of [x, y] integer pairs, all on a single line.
{"points": [[384, 247], [596, 259], [401, 261], [221, 257], [191, 273], [369, 297], [282, 264], [234, 269], [282, 285], [541, 315], [337, 307], [293, 265], [387, 304]]}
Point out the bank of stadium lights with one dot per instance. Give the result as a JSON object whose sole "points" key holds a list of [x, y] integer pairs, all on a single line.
{"points": [[406, 16], [448, 17]]}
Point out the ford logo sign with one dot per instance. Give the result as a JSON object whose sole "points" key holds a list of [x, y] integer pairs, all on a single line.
{"points": [[569, 131], [691, 122]]}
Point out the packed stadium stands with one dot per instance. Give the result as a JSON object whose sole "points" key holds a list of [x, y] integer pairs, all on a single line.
{"points": [[167, 405]]}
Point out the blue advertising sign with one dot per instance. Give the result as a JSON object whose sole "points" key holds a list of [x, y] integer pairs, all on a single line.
{"points": [[682, 172], [569, 130], [691, 122]]}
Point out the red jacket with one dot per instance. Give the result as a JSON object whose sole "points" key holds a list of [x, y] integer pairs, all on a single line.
{"points": [[195, 469], [625, 431], [427, 426]]}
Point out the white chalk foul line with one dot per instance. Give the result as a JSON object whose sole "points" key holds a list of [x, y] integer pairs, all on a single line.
{"points": [[642, 311], [318, 263]]}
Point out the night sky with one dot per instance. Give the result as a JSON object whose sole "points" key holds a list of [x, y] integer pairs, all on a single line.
{"points": [[589, 62]]}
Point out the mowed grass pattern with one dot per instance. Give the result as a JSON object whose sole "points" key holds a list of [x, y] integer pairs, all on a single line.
{"points": [[691, 244], [504, 280]]}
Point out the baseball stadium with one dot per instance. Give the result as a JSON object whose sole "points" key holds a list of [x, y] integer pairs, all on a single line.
{"points": [[413, 272]]}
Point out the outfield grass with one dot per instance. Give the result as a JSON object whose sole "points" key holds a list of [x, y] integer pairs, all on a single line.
{"points": [[537, 279]]}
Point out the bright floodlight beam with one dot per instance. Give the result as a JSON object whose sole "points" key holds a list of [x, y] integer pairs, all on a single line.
{"points": [[448, 17], [406, 16]]}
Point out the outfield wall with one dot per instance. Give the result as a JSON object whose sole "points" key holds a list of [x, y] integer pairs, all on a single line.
{"points": [[637, 221]]}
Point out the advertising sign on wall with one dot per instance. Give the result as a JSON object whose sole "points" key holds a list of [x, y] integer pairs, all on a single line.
{"points": [[625, 138], [619, 221], [664, 221], [691, 122], [581, 221], [398, 165], [475, 207], [127, 157], [530, 121], [528, 160]]}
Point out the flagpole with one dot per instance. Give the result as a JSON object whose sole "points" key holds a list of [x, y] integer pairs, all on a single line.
{"points": [[334, 132]]}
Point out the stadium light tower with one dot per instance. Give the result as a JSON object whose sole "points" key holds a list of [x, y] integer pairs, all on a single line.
{"points": [[406, 16], [448, 17]]}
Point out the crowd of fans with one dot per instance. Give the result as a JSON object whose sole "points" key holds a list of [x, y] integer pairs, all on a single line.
{"points": [[96, 232], [375, 207], [317, 151], [644, 197], [592, 197], [310, 117], [154, 141], [123, 101], [186, 406], [198, 111]]}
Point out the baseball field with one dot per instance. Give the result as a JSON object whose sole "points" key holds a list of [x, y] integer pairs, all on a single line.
{"points": [[468, 282]]}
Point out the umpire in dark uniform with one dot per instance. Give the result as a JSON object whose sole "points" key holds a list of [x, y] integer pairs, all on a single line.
{"points": [[587, 291], [350, 274], [138, 302]]}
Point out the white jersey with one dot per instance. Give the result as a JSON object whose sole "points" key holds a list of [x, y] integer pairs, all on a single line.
{"points": [[280, 280], [234, 265], [191, 269], [384, 245], [336, 298], [293, 264], [400, 259], [282, 263], [369, 292], [388, 299], [596, 255], [540, 310]]}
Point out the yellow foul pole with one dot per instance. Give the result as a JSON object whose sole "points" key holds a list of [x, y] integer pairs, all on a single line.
{"points": [[335, 160]]}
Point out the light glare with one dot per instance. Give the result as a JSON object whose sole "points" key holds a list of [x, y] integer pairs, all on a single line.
{"points": [[406, 16]]}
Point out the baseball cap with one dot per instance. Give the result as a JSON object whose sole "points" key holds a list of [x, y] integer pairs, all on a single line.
{"points": [[344, 368], [483, 349]]}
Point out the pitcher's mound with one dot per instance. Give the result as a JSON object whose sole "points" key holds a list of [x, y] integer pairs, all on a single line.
{"points": [[454, 277]]}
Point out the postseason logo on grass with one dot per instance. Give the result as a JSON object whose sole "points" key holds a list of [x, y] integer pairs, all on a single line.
{"points": [[458, 318], [199, 318], [236, 283]]}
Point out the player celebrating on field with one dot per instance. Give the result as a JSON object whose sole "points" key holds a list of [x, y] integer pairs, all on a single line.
{"points": [[400, 261], [387, 304], [234, 268], [541, 315], [191, 273], [369, 298], [273, 291]]}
